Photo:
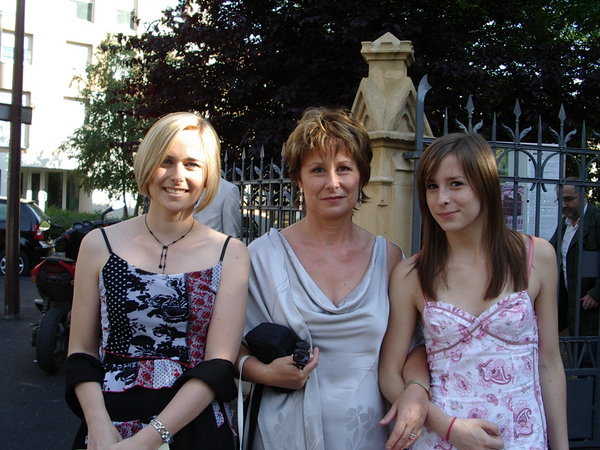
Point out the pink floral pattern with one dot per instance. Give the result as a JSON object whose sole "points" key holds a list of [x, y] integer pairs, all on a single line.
{"points": [[486, 367]]}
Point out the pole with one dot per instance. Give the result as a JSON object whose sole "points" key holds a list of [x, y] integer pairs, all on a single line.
{"points": [[12, 295]]}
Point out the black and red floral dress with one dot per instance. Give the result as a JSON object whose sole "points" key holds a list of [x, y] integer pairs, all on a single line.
{"points": [[154, 330]]}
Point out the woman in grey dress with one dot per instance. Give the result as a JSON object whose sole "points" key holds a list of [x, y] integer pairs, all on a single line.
{"points": [[326, 278]]}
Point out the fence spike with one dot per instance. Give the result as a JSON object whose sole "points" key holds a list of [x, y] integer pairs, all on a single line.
{"points": [[243, 174], [446, 121], [561, 113], [470, 109], [424, 87], [563, 117], [470, 106]]}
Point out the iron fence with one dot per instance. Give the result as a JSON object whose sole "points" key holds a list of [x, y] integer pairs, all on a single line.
{"points": [[268, 197], [534, 164]]}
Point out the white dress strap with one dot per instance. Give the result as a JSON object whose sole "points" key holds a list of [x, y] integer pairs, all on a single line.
{"points": [[240, 404]]}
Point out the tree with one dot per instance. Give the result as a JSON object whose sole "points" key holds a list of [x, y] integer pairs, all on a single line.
{"points": [[105, 143], [253, 66]]}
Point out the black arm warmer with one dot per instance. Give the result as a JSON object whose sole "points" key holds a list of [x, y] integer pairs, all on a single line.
{"points": [[217, 373], [80, 367]]}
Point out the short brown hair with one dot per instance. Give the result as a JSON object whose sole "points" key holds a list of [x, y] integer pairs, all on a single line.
{"points": [[158, 140], [321, 129]]}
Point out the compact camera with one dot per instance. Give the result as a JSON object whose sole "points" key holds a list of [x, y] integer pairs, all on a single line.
{"points": [[301, 354]]}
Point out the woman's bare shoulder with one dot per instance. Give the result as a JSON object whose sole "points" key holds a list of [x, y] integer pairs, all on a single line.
{"points": [[544, 258], [394, 250], [236, 248], [117, 236], [406, 272], [543, 251]]}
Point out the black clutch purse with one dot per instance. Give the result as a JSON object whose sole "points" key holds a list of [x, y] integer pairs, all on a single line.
{"points": [[269, 341]]}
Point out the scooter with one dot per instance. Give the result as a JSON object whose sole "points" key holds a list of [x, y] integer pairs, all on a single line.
{"points": [[54, 278]]}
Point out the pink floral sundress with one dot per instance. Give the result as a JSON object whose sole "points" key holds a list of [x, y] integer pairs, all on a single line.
{"points": [[486, 367]]}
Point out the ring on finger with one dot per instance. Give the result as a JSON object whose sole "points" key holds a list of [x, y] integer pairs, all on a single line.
{"points": [[412, 435]]}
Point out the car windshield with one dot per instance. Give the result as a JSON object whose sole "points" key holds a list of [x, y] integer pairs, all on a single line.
{"points": [[42, 215]]}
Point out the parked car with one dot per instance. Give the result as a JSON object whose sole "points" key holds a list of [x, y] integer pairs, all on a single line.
{"points": [[34, 240]]}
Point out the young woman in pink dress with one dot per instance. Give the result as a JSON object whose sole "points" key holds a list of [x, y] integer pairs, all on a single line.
{"points": [[486, 296]]}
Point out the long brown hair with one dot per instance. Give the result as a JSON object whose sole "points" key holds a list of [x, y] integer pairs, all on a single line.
{"points": [[504, 248]]}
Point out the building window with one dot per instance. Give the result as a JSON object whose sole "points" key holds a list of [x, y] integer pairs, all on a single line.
{"points": [[35, 186], [126, 14], [78, 57], [7, 48], [6, 97], [55, 189], [73, 113], [83, 9], [72, 192]]}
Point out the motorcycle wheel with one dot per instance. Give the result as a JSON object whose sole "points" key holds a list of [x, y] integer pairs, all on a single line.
{"points": [[52, 338]]}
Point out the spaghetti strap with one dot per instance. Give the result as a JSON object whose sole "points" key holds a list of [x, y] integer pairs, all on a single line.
{"points": [[224, 248], [530, 255], [106, 240]]}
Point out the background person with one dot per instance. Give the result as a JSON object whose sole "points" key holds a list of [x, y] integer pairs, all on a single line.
{"points": [[326, 278], [486, 296], [572, 200], [159, 307], [223, 212]]}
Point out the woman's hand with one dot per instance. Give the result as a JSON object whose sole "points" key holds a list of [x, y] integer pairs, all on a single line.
{"points": [[284, 373], [410, 410], [102, 436], [475, 434], [145, 439], [129, 444]]}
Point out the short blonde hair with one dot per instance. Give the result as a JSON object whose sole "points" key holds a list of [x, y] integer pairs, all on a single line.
{"points": [[158, 140], [321, 129]]}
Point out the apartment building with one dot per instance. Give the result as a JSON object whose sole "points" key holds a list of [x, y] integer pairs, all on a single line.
{"points": [[60, 40]]}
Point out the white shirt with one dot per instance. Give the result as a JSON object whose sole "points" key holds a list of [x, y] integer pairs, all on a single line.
{"points": [[570, 230]]}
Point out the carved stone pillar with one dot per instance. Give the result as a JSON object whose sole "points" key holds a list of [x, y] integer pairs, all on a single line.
{"points": [[386, 104]]}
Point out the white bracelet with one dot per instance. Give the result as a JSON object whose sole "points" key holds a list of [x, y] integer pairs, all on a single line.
{"points": [[164, 433]]}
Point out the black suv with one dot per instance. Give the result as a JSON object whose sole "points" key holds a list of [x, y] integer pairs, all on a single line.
{"points": [[35, 240]]}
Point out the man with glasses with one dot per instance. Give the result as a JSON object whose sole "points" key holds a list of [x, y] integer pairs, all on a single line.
{"points": [[574, 203]]}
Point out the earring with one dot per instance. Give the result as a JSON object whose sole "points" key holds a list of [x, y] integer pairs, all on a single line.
{"points": [[360, 196], [300, 199]]}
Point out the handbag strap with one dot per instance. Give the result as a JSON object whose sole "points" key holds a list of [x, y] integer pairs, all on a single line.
{"points": [[240, 402]]}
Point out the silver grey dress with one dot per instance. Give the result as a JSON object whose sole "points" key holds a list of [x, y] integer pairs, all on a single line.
{"points": [[341, 404]]}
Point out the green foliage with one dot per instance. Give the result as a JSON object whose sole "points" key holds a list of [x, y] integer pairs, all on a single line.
{"points": [[66, 219], [105, 143], [253, 66]]}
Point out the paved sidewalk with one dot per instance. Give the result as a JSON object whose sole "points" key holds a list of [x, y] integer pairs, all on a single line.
{"points": [[33, 413]]}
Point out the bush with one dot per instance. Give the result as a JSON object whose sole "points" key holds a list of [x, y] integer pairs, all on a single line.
{"points": [[65, 218]]}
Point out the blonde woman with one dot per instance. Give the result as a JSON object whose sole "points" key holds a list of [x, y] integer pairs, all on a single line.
{"points": [[159, 307]]}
